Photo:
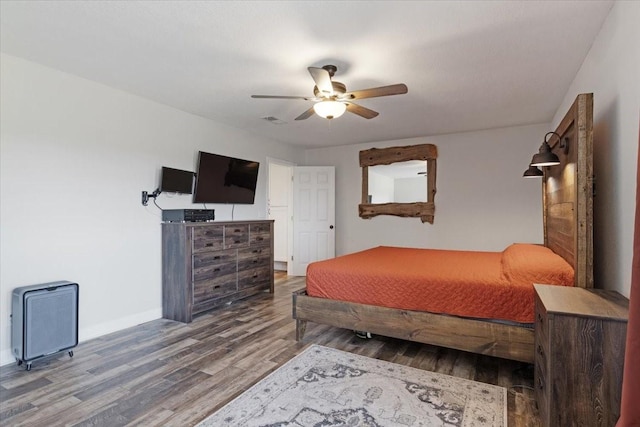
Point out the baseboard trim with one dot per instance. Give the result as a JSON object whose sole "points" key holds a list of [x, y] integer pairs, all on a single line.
{"points": [[84, 334], [118, 324], [6, 357]]}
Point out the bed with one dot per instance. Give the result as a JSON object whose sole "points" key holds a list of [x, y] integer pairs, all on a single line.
{"points": [[567, 193]]}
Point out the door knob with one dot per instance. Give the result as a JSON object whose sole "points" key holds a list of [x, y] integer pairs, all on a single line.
{"points": [[331, 227]]}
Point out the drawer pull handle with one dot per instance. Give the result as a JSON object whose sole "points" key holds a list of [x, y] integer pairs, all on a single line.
{"points": [[216, 287], [539, 317], [216, 270], [255, 276], [236, 241], [216, 257], [540, 383], [540, 351], [237, 230], [209, 245], [255, 261], [259, 239], [257, 251]]}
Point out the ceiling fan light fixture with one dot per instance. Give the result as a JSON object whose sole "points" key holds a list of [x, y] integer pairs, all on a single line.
{"points": [[329, 109]]}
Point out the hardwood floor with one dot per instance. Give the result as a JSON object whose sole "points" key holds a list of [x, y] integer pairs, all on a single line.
{"points": [[165, 373]]}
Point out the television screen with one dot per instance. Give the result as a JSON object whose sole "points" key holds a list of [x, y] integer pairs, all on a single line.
{"points": [[176, 181], [222, 179]]}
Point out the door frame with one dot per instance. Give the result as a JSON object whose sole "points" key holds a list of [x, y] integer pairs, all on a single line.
{"points": [[290, 165]]}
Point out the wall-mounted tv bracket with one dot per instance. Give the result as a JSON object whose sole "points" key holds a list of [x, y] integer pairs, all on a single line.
{"points": [[146, 196]]}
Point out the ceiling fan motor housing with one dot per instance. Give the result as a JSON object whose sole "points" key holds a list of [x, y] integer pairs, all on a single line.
{"points": [[338, 89], [331, 69]]}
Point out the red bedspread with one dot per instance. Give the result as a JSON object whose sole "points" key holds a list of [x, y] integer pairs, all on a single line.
{"points": [[488, 285]]}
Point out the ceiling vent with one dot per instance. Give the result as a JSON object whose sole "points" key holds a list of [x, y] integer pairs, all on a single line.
{"points": [[274, 120]]}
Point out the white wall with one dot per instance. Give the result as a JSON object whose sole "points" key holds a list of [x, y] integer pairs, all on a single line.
{"points": [[75, 156], [611, 71], [482, 203]]}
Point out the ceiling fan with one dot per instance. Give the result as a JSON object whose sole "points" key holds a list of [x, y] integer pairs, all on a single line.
{"points": [[332, 99]]}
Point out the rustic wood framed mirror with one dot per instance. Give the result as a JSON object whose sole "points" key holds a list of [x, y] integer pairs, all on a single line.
{"points": [[399, 181]]}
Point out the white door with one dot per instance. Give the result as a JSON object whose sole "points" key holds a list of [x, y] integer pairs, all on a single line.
{"points": [[313, 216]]}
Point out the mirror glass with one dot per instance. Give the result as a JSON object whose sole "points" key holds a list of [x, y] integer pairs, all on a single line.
{"points": [[402, 182]]}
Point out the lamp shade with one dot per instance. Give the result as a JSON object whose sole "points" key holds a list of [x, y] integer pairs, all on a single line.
{"points": [[532, 172], [545, 157], [329, 109]]}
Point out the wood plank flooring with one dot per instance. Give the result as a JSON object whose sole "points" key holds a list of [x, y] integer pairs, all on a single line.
{"points": [[165, 373]]}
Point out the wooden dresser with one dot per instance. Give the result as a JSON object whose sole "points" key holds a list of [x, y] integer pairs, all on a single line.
{"points": [[207, 264], [579, 355]]}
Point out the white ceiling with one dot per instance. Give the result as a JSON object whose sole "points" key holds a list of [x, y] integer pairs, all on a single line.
{"points": [[469, 65]]}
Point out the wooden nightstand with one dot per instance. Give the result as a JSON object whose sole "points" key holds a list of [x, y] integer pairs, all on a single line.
{"points": [[579, 354]]}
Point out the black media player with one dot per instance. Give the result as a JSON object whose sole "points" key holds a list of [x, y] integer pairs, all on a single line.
{"points": [[188, 215]]}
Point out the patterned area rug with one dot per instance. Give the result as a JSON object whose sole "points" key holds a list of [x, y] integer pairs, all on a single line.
{"points": [[327, 387]]}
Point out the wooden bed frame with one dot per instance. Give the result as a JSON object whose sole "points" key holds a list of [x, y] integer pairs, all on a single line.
{"points": [[568, 220]]}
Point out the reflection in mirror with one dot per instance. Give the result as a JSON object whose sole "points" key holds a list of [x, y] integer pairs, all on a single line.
{"points": [[403, 182]]}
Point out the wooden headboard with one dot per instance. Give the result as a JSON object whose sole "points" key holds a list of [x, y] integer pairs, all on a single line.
{"points": [[568, 191]]}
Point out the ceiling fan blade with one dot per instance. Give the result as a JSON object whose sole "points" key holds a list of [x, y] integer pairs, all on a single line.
{"points": [[397, 89], [322, 79], [282, 97], [306, 114], [360, 110]]}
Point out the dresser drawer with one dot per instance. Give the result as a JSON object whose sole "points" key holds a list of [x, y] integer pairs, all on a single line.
{"points": [[255, 277], [541, 341], [541, 375], [259, 234], [205, 259], [214, 288], [236, 236], [541, 326], [541, 393], [253, 257], [542, 356], [208, 238], [213, 271]]}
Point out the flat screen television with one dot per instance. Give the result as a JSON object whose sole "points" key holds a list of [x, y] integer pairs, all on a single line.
{"points": [[176, 181], [222, 179]]}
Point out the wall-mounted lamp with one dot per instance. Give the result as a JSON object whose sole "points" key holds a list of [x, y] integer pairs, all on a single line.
{"points": [[545, 157], [532, 172]]}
